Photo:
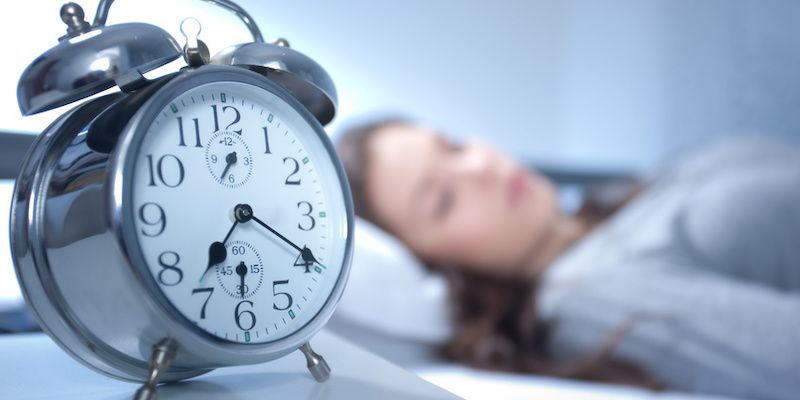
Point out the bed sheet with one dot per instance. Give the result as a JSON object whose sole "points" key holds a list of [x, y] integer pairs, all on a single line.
{"points": [[472, 384]]}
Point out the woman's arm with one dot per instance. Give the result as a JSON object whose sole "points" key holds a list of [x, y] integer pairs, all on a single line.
{"points": [[692, 329], [746, 224]]}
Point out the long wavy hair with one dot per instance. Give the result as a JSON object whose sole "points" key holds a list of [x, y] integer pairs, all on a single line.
{"points": [[496, 324]]}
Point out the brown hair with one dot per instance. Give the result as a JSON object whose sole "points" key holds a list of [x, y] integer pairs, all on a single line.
{"points": [[496, 322]]}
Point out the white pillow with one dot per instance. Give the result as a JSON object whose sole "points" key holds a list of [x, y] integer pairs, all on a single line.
{"points": [[391, 291]]}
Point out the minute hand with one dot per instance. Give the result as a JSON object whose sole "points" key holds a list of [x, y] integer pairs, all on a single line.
{"points": [[305, 252]]}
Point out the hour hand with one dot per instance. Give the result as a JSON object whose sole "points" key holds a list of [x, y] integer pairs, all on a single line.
{"points": [[216, 254]]}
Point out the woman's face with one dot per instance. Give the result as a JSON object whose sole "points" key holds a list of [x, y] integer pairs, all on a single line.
{"points": [[463, 205]]}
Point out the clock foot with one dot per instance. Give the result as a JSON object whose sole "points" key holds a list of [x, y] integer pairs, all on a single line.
{"points": [[316, 364], [163, 353]]}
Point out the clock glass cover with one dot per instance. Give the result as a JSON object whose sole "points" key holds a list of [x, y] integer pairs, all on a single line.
{"points": [[238, 212]]}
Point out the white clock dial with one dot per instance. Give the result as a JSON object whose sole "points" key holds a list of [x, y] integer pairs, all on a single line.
{"points": [[251, 278]]}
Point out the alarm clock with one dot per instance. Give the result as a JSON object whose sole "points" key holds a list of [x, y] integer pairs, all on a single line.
{"points": [[188, 222]]}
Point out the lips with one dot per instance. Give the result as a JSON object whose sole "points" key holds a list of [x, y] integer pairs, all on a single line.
{"points": [[517, 187]]}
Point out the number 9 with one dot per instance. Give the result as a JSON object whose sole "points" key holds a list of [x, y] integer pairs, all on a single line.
{"points": [[161, 221]]}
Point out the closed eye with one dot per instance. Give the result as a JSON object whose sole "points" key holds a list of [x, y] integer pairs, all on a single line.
{"points": [[453, 146], [444, 202], [448, 144]]}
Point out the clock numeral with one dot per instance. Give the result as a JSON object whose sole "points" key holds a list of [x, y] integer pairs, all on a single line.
{"points": [[161, 222], [289, 180], [300, 262], [255, 269], [266, 140], [238, 250], [196, 132], [311, 220], [289, 300], [236, 118], [238, 315], [170, 274], [210, 291], [216, 118], [174, 178], [225, 270]]}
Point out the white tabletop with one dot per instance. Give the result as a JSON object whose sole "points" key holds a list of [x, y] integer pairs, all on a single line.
{"points": [[33, 367]]}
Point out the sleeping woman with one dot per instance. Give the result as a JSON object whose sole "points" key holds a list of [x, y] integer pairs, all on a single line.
{"points": [[691, 282]]}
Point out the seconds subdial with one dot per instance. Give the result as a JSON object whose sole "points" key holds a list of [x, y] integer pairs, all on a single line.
{"points": [[228, 159], [242, 272]]}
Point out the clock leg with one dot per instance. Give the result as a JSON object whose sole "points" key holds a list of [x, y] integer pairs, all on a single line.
{"points": [[316, 364], [163, 353]]}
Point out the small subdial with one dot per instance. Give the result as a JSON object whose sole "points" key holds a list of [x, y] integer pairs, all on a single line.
{"points": [[242, 272], [228, 159]]}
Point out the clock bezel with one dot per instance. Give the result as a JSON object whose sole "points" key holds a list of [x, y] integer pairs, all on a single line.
{"points": [[122, 217]]}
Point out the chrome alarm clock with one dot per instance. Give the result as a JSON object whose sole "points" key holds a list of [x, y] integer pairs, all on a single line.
{"points": [[192, 221]]}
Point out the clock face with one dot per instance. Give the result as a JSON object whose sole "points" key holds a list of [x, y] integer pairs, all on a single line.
{"points": [[239, 212]]}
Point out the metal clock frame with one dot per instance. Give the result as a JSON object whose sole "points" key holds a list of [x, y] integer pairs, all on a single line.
{"points": [[101, 339]]}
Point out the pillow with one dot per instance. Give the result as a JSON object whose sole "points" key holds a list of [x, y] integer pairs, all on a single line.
{"points": [[391, 291]]}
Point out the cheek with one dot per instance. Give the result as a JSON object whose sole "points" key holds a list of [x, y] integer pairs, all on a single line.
{"points": [[486, 235], [481, 238], [542, 209], [468, 232]]}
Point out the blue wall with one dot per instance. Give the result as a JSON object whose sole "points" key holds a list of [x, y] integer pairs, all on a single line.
{"points": [[612, 84], [607, 84]]}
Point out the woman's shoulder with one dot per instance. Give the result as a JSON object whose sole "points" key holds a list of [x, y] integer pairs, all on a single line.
{"points": [[729, 154], [699, 180]]}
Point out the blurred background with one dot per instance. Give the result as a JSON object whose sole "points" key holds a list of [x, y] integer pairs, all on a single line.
{"points": [[616, 84]]}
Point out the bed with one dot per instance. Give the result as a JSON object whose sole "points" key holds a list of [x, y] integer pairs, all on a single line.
{"points": [[421, 358], [376, 311]]}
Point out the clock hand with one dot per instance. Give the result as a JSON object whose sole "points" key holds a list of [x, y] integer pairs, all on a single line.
{"points": [[276, 233], [305, 252], [230, 159], [241, 270], [217, 252], [308, 256]]}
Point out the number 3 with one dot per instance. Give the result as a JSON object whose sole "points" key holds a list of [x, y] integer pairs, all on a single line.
{"points": [[307, 214]]}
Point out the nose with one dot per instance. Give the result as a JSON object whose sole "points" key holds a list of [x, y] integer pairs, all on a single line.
{"points": [[477, 161]]}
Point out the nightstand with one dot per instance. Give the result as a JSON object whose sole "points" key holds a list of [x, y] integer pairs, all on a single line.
{"points": [[34, 367]]}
